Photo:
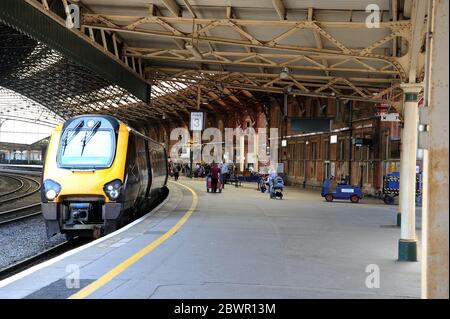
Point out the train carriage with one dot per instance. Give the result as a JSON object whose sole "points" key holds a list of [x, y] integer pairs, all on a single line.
{"points": [[99, 174]]}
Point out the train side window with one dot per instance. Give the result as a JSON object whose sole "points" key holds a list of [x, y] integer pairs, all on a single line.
{"points": [[142, 162], [155, 163]]}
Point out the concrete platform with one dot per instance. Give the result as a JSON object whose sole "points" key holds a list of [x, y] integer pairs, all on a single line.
{"points": [[238, 244]]}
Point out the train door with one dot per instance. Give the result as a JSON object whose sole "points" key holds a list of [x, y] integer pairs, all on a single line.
{"points": [[132, 172], [142, 163], [149, 170], [166, 166], [154, 161]]}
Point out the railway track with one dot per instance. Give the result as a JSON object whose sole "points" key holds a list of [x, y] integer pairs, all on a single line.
{"points": [[18, 188], [19, 213], [20, 194], [27, 187], [22, 189]]}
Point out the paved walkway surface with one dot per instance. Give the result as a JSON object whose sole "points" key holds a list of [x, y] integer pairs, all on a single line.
{"points": [[239, 244]]}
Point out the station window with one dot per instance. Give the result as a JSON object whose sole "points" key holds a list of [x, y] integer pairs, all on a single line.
{"points": [[290, 167], [326, 169], [326, 150], [302, 168], [385, 147], [365, 153], [394, 149], [358, 151], [341, 151], [313, 169], [314, 150], [291, 156]]}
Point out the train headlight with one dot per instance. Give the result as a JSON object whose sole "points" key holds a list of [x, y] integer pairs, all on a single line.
{"points": [[51, 189], [112, 189], [50, 194]]}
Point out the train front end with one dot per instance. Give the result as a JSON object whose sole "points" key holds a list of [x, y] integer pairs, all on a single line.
{"points": [[83, 178]]}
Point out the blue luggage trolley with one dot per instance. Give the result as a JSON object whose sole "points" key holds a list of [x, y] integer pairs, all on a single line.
{"points": [[343, 191]]}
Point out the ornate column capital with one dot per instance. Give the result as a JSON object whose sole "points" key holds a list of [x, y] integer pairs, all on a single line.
{"points": [[411, 91]]}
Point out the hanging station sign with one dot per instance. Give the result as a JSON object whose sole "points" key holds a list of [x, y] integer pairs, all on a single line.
{"points": [[333, 139], [197, 121], [390, 117]]}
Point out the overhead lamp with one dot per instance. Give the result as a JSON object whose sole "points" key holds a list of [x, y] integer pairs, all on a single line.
{"points": [[194, 51], [288, 89], [284, 74]]}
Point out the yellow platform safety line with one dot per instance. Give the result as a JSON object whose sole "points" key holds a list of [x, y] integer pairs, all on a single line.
{"points": [[91, 288]]}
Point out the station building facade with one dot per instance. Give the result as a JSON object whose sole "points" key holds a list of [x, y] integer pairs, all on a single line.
{"points": [[16, 153], [358, 144]]}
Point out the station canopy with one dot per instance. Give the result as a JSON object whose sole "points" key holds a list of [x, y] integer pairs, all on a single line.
{"points": [[221, 55], [319, 48], [16, 107]]}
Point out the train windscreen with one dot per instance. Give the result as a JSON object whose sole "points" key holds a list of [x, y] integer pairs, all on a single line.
{"points": [[86, 148]]}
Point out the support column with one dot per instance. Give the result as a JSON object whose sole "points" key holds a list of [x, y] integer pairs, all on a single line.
{"points": [[435, 232], [399, 209], [256, 152], [241, 153], [407, 246]]}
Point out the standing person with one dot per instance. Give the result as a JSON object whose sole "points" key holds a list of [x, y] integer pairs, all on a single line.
{"points": [[187, 170], [272, 174], [176, 171], [170, 167], [223, 174], [215, 174]]}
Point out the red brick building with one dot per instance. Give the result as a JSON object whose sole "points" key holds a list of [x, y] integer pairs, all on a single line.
{"points": [[372, 151]]}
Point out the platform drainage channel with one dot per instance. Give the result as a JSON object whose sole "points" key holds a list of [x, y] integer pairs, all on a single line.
{"points": [[58, 290]]}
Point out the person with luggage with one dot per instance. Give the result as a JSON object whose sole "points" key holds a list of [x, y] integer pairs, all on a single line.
{"points": [[215, 174]]}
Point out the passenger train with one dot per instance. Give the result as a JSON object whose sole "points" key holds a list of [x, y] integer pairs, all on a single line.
{"points": [[99, 174]]}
